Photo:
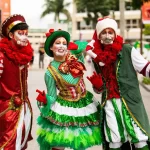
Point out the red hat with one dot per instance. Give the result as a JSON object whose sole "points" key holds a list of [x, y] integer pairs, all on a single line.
{"points": [[72, 46], [10, 22]]}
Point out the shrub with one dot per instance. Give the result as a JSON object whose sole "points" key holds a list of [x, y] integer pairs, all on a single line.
{"points": [[146, 80]]}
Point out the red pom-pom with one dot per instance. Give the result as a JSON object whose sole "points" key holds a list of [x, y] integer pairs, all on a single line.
{"points": [[49, 33], [17, 101], [51, 30]]}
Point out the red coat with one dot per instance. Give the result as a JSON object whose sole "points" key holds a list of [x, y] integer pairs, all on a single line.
{"points": [[14, 122]]}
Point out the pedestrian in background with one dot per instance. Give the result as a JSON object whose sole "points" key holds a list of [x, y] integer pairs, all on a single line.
{"points": [[41, 55], [117, 63], [32, 60], [15, 108]]}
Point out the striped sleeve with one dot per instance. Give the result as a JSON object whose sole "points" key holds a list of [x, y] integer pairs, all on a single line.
{"points": [[140, 64], [50, 84], [1, 66]]}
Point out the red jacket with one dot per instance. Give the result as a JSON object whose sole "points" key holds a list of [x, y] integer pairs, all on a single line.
{"points": [[12, 82]]}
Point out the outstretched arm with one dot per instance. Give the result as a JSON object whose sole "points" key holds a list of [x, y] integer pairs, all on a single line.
{"points": [[45, 101], [97, 82], [140, 64]]}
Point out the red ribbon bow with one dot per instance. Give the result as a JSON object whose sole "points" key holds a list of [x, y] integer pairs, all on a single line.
{"points": [[49, 33], [72, 65]]}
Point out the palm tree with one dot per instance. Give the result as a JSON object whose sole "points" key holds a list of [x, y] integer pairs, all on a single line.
{"points": [[93, 9], [57, 7]]}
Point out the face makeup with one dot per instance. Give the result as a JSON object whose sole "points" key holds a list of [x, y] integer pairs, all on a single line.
{"points": [[21, 37], [59, 47], [107, 36]]}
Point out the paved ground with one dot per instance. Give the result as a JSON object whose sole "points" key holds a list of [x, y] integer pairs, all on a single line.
{"points": [[36, 81]]}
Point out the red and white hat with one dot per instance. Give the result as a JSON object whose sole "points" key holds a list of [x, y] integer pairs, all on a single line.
{"points": [[106, 23], [10, 22]]}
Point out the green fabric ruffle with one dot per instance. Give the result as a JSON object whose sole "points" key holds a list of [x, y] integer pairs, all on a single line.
{"points": [[71, 137], [65, 120]]}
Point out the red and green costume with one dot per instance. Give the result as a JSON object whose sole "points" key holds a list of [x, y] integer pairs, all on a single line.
{"points": [[15, 111]]}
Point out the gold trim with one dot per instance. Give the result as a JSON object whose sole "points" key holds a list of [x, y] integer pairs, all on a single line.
{"points": [[13, 131], [63, 83], [123, 100], [20, 108], [103, 103], [56, 75], [5, 111], [12, 25], [21, 84], [51, 69], [11, 106], [71, 123], [139, 125], [117, 68], [75, 99]]}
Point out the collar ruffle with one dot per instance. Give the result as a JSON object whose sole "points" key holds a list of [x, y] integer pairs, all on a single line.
{"points": [[108, 53], [19, 55]]}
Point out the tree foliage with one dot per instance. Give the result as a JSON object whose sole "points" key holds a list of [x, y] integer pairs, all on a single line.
{"points": [[114, 5], [138, 3], [57, 7], [147, 29], [93, 8], [97, 8]]}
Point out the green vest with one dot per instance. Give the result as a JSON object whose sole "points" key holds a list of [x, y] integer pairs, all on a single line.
{"points": [[129, 88]]}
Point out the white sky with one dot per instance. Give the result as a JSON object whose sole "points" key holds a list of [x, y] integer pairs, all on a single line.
{"points": [[31, 10]]}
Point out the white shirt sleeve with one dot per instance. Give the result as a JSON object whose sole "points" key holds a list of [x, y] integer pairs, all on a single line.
{"points": [[140, 64]]}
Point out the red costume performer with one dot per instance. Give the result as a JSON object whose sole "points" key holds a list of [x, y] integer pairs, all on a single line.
{"points": [[15, 110]]}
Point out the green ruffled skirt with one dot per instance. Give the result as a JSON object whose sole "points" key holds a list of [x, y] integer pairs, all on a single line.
{"points": [[72, 125]]}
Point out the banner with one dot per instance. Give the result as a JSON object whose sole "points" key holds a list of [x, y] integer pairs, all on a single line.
{"points": [[146, 13], [5, 9]]}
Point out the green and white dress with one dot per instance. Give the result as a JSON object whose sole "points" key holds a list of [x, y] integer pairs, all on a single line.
{"points": [[71, 117]]}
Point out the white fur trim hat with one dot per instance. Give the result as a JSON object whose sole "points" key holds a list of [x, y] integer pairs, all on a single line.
{"points": [[106, 23]]}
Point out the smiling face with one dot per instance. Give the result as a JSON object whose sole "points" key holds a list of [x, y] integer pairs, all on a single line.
{"points": [[107, 36], [59, 48], [20, 37]]}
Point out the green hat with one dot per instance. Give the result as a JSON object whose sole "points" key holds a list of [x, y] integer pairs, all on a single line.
{"points": [[81, 47], [51, 37]]}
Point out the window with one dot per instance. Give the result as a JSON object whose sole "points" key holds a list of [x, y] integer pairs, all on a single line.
{"points": [[78, 25], [37, 36], [127, 22], [134, 21]]}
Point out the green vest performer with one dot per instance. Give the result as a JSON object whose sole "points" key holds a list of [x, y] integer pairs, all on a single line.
{"points": [[69, 115], [124, 117]]}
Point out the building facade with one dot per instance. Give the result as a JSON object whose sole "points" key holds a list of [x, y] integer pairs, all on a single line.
{"points": [[80, 31], [131, 32]]}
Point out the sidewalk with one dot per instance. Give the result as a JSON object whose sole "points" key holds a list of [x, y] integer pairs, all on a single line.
{"points": [[35, 65], [145, 86]]}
